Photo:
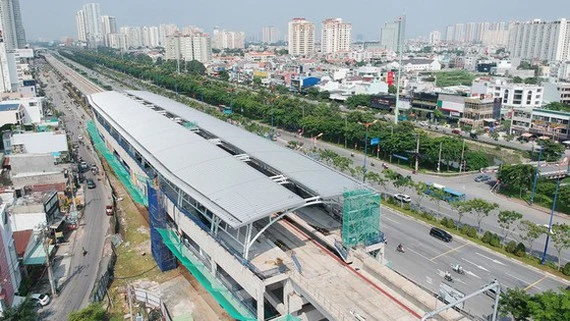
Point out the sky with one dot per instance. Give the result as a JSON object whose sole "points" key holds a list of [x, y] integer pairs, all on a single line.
{"points": [[53, 19]]}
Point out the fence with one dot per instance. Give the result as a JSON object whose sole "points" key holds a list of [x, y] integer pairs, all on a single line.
{"points": [[151, 300], [101, 285]]}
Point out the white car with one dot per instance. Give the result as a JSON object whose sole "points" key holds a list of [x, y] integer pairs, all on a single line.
{"points": [[403, 198], [40, 300]]}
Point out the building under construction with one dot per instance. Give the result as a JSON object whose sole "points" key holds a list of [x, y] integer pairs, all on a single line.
{"points": [[269, 232]]}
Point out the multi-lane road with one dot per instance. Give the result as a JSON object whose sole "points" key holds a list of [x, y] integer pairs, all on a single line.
{"points": [[83, 271]]}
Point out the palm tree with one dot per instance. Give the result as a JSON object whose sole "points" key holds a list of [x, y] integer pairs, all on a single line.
{"points": [[25, 311]]}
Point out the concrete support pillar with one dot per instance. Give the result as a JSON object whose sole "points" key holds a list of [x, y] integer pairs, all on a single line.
{"points": [[287, 291], [260, 302]]}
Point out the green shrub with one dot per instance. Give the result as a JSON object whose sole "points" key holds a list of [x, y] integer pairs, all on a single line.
{"points": [[566, 269], [495, 240], [444, 221], [472, 232], [511, 247], [486, 237], [464, 229], [520, 251]]}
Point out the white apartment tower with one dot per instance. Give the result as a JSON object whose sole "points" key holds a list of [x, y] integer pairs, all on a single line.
{"points": [[301, 37], [222, 39], [93, 27], [12, 27], [197, 46], [108, 26], [541, 40], [269, 34], [81, 27], [434, 37], [392, 34], [335, 35]]}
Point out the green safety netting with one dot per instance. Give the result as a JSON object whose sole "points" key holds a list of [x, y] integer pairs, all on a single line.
{"points": [[360, 217], [287, 317], [123, 175], [202, 273]]}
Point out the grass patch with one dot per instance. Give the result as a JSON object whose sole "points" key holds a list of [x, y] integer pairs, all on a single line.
{"points": [[453, 78], [131, 264], [550, 267]]}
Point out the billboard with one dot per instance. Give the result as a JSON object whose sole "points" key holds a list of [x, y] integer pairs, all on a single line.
{"points": [[390, 78]]}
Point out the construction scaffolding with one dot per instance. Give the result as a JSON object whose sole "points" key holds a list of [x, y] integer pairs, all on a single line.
{"points": [[361, 218], [157, 220], [122, 174]]}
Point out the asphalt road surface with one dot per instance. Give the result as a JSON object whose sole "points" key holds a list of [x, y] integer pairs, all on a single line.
{"points": [[76, 291]]}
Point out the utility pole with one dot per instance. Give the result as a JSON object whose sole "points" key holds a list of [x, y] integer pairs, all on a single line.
{"points": [[417, 152], [536, 176], [462, 154], [401, 48], [439, 159], [44, 240], [543, 259]]}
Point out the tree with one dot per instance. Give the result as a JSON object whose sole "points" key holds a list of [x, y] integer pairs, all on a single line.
{"points": [[462, 208], [392, 89], [26, 311], [517, 80], [506, 221], [515, 302], [481, 209], [556, 106], [529, 232], [223, 75], [195, 67], [551, 151], [358, 100], [560, 236], [550, 306], [403, 182], [516, 177], [420, 188], [93, 312]]}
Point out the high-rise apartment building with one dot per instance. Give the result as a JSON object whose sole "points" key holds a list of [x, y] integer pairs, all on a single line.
{"points": [[108, 27], [81, 27], [335, 35], [150, 36], [541, 40], [301, 37], [392, 34], [434, 37], [450, 33], [89, 25], [12, 27], [196, 46], [165, 30], [270, 34], [222, 39]]}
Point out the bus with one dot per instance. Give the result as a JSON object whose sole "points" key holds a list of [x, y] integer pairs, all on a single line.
{"points": [[447, 194]]}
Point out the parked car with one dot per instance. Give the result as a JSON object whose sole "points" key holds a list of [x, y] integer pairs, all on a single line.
{"points": [[440, 234], [482, 178], [40, 299], [109, 210], [403, 198], [90, 184]]}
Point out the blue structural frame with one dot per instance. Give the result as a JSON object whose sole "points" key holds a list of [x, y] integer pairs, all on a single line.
{"points": [[160, 252]]}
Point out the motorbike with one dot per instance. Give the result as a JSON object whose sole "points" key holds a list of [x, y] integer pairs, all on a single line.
{"points": [[458, 270], [448, 278], [384, 166], [351, 154], [400, 249], [372, 164]]}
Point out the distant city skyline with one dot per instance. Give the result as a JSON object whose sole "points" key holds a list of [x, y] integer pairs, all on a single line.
{"points": [[367, 17]]}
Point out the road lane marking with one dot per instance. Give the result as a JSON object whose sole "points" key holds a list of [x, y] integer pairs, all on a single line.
{"points": [[425, 257], [517, 278], [472, 274], [391, 220], [447, 252], [535, 283], [490, 259], [479, 266]]}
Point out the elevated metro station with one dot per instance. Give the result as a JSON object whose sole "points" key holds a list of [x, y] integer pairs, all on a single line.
{"points": [[266, 230]]}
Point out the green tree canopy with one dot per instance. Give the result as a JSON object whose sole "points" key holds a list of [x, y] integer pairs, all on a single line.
{"points": [[93, 312]]}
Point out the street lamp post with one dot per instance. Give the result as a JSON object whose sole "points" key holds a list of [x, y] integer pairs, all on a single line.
{"points": [[366, 125], [543, 259], [536, 176]]}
